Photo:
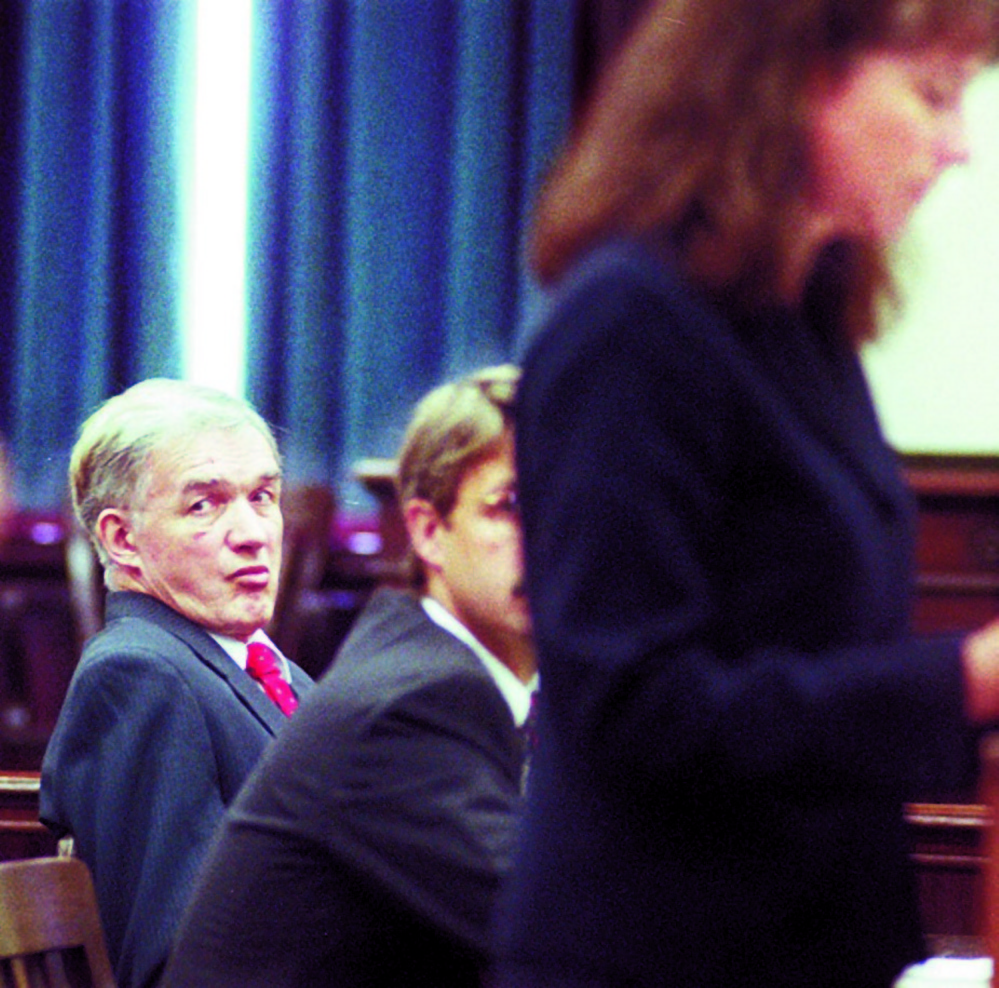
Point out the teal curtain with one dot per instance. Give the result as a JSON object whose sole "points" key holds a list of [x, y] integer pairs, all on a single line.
{"points": [[396, 145], [396, 148], [91, 262]]}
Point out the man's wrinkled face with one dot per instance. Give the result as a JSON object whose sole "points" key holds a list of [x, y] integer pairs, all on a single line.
{"points": [[207, 536]]}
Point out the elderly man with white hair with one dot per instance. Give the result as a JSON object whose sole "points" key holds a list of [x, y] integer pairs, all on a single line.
{"points": [[178, 487]]}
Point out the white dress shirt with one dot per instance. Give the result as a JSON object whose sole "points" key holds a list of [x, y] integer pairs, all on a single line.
{"points": [[236, 650], [517, 694]]}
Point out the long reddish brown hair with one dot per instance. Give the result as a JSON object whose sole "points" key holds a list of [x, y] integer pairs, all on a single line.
{"points": [[695, 137]]}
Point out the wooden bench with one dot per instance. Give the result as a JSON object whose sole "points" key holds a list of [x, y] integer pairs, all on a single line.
{"points": [[949, 847], [22, 834], [948, 842]]}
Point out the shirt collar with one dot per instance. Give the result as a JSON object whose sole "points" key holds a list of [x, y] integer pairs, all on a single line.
{"points": [[236, 650], [516, 693]]}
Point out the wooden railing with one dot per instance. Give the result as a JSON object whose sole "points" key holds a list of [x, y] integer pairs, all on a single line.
{"points": [[959, 895], [989, 788], [22, 834], [948, 842]]}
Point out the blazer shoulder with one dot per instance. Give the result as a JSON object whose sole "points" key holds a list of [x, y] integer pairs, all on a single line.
{"points": [[392, 620], [133, 639], [623, 297], [136, 647], [398, 658], [395, 638]]}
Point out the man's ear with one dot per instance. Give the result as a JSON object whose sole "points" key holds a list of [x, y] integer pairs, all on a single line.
{"points": [[423, 524], [115, 531]]}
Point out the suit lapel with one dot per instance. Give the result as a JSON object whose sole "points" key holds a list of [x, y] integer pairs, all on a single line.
{"points": [[391, 616], [820, 380], [433, 639], [205, 649], [211, 654], [825, 385]]}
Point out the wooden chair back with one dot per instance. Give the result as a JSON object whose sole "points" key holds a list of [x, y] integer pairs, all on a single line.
{"points": [[86, 586], [50, 930], [308, 516]]}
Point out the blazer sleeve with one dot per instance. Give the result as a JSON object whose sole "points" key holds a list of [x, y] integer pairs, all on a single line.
{"points": [[627, 424], [132, 775], [438, 824], [417, 801]]}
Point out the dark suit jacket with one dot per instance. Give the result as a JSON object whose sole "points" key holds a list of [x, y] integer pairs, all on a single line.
{"points": [[719, 555], [158, 730], [367, 846]]}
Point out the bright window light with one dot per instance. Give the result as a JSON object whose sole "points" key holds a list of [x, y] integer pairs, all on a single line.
{"points": [[214, 325], [934, 376]]}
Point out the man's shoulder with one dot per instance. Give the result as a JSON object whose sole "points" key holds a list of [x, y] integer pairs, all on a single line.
{"points": [[394, 632], [398, 660], [141, 632]]}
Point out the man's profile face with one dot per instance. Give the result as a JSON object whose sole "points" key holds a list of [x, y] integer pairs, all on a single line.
{"points": [[208, 532], [481, 561]]}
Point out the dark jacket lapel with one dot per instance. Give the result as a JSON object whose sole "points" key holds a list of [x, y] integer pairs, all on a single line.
{"points": [[203, 646], [820, 379], [824, 382]]}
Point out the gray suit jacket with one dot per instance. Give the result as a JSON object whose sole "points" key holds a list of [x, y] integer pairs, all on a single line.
{"points": [[368, 845], [157, 733]]}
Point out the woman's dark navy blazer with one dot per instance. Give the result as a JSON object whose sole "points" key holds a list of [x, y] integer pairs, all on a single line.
{"points": [[719, 552]]}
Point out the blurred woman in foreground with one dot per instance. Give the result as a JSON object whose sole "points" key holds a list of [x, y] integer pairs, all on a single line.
{"points": [[719, 543]]}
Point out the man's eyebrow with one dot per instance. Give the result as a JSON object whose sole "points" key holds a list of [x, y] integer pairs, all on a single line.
{"points": [[505, 485], [199, 484], [268, 480]]}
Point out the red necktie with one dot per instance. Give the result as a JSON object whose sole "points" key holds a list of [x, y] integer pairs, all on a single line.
{"points": [[262, 665]]}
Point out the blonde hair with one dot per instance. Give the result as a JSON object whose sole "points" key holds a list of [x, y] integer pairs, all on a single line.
{"points": [[110, 461], [452, 429]]}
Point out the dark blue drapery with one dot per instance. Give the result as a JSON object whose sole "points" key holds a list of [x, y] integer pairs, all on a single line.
{"points": [[88, 277], [395, 147]]}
